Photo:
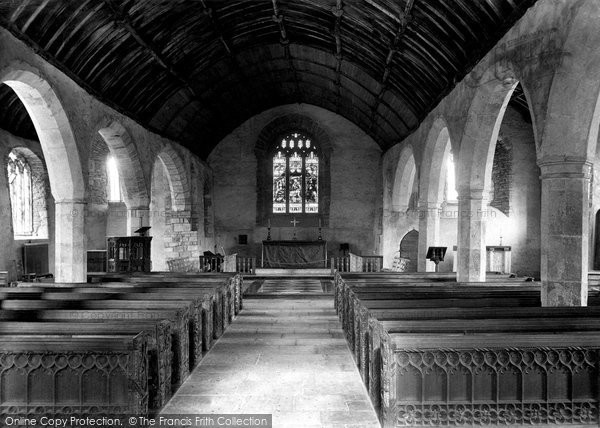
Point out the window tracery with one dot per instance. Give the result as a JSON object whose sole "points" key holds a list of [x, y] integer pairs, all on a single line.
{"points": [[296, 176]]}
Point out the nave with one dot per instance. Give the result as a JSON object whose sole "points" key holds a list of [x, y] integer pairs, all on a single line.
{"points": [[286, 355]]}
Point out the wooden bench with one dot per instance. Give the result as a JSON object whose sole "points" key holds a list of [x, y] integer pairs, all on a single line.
{"points": [[232, 282], [359, 319], [179, 312], [60, 375], [495, 379], [342, 287], [159, 345], [464, 297], [212, 312], [377, 313]]}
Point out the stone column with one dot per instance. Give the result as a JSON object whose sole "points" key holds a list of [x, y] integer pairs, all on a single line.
{"points": [[70, 254], [136, 218], [472, 219], [429, 232], [565, 231]]}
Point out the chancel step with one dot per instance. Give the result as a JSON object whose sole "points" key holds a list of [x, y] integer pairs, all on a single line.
{"points": [[294, 272]]}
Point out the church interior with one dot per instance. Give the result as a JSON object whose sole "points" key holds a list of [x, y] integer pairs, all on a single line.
{"points": [[332, 213]]}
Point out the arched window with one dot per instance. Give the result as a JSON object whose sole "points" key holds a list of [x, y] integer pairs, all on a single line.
{"points": [[114, 184], [295, 176], [451, 193], [21, 194]]}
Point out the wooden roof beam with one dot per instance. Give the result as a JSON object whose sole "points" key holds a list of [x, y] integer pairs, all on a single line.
{"points": [[338, 12], [210, 13], [122, 18], [279, 19], [404, 20]]}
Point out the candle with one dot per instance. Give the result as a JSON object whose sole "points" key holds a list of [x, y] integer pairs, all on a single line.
{"points": [[269, 220], [319, 222]]}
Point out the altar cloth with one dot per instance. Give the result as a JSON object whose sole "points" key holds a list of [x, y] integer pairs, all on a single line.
{"points": [[294, 254]]}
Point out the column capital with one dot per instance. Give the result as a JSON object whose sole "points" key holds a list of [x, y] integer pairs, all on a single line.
{"points": [[466, 193], [70, 201], [556, 167], [429, 205]]}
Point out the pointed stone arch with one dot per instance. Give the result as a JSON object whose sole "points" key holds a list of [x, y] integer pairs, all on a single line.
{"points": [[177, 177], [437, 148], [64, 167], [122, 147], [53, 129], [409, 249], [475, 164], [404, 180], [431, 188]]}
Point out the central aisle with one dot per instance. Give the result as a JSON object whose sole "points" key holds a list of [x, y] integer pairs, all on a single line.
{"points": [[284, 355]]}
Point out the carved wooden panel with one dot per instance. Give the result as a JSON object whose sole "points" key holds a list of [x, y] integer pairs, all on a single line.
{"points": [[70, 381], [492, 386]]}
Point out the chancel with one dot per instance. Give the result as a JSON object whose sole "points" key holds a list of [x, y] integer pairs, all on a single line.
{"points": [[244, 208]]}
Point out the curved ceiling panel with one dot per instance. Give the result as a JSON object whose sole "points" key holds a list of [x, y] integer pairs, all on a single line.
{"points": [[193, 70]]}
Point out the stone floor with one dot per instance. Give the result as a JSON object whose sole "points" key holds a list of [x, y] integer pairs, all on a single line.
{"points": [[291, 286], [284, 356]]}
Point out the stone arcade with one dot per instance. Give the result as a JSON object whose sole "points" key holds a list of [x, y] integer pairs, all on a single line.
{"points": [[346, 137]]}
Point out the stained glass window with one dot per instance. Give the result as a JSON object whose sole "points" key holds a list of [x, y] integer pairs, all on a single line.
{"points": [[296, 176], [21, 194]]}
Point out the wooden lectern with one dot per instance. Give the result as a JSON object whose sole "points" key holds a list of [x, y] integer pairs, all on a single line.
{"points": [[436, 255]]}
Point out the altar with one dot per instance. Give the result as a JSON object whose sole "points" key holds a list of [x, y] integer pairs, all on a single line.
{"points": [[294, 254]]}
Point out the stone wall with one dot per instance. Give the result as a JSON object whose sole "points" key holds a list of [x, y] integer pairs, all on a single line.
{"points": [[355, 189], [502, 176]]}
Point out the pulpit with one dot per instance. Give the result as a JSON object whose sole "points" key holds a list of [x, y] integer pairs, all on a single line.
{"points": [[294, 254], [129, 254]]}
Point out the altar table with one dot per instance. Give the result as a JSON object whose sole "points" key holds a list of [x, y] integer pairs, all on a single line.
{"points": [[294, 254]]}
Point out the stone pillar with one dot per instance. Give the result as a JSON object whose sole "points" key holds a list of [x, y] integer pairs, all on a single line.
{"points": [[565, 231], [136, 218], [472, 218], [429, 232], [70, 255]]}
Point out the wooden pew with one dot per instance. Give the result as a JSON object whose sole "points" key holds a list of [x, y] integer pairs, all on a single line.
{"points": [[212, 313], [234, 281], [342, 286], [434, 308], [228, 289], [446, 313], [181, 313], [503, 379], [159, 345], [78, 375], [459, 297]]}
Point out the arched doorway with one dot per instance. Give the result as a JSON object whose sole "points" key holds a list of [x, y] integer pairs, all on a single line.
{"points": [[409, 250]]}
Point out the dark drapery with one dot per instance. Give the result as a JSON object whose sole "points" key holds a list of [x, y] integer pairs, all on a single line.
{"points": [[294, 254]]}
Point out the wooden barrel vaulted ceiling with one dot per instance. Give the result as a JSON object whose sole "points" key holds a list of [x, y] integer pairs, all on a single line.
{"points": [[193, 70]]}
